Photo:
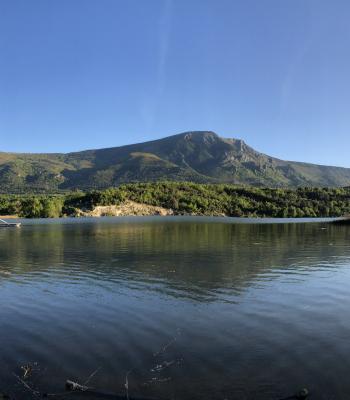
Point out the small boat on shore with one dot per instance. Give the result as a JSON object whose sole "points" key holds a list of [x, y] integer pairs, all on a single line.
{"points": [[5, 224]]}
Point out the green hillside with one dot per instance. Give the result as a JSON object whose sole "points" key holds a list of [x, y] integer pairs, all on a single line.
{"points": [[202, 157], [185, 198]]}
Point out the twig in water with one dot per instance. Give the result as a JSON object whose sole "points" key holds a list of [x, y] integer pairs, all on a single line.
{"points": [[156, 380], [27, 370], [303, 394], [35, 392], [92, 375], [75, 386], [163, 365], [170, 343], [127, 383]]}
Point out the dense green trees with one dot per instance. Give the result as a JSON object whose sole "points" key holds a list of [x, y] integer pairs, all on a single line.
{"points": [[190, 198], [32, 206]]}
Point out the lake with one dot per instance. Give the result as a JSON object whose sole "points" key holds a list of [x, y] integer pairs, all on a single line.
{"points": [[177, 308]]}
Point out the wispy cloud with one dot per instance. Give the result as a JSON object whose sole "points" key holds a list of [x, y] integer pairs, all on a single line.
{"points": [[164, 34], [288, 82], [150, 109]]}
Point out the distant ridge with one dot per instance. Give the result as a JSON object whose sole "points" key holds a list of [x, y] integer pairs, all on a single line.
{"points": [[198, 156]]}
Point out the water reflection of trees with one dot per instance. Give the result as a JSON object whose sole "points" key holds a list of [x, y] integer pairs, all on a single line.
{"points": [[190, 257]]}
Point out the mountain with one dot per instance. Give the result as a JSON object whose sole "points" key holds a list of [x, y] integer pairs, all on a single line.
{"points": [[190, 156]]}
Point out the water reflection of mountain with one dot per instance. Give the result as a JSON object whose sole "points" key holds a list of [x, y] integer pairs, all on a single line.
{"points": [[181, 258]]}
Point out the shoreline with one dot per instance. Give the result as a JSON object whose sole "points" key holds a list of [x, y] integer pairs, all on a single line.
{"points": [[195, 218]]}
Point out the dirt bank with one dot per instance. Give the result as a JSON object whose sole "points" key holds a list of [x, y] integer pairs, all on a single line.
{"points": [[125, 209]]}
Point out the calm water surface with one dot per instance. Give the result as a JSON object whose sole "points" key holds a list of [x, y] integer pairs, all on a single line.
{"points": [[186, 308]]}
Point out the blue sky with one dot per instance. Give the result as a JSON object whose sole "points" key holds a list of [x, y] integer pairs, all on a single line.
{"points": [[78, 74]]}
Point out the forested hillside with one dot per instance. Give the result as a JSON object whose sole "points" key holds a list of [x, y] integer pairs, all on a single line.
{"points": [[189, 199]]}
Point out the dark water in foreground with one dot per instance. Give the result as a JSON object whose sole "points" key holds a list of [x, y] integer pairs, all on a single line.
{"points": [[194, 309]]}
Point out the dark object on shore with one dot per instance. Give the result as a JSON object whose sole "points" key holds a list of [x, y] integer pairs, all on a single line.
{"points": [[303, 394], [342, 221], [76, 387]]}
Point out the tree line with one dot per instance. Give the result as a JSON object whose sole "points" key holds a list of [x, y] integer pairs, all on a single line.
{"points": [[186, 198]]}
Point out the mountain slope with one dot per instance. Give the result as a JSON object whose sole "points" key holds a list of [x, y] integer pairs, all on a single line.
{"points": [[190, 156]]}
